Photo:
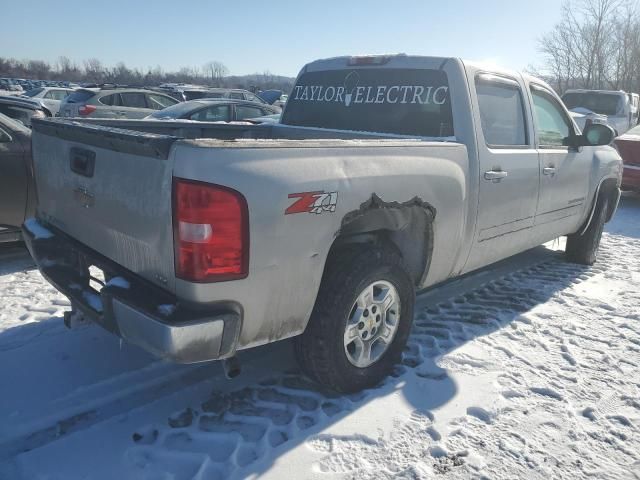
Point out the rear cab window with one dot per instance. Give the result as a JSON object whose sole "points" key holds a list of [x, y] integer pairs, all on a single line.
{"points": [[400, 101]]}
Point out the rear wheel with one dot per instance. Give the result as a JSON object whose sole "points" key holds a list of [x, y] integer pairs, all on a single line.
{"points": [[583, 248], [361, 320]]}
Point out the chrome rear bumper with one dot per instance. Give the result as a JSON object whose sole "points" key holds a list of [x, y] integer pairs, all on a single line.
{"points": [[132, 308]]}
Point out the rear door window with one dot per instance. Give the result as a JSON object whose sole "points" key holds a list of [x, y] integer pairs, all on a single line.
{"points": [[158, 102], [111, 100], [217, 113], [133, 100], [501, 111], [244, 111], [382, 100]]}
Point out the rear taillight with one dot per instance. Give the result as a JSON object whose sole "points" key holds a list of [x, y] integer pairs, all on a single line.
{"points": [[86, 109], [211, 232]]}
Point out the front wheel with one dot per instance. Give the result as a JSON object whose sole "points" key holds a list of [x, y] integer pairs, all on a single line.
{"points": [[583, 248], [361, 320]]}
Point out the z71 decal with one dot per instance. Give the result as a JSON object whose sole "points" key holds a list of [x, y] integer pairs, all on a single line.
{"points": [[313, 202]]}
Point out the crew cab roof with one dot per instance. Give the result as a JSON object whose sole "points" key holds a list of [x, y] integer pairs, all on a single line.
{"points": [[402, 60], [398, 60]]}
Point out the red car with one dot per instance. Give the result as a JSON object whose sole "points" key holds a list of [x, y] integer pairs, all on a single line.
{"points": [[629, 148]]}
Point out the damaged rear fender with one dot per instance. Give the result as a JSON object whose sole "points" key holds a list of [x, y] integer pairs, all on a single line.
{"points": [[408, 225]]}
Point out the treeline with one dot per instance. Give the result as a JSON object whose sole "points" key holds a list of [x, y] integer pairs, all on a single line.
{"points": [[595, 45], [92, 70]]}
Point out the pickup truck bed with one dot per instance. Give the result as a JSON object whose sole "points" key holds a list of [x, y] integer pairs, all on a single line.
{"points": [[126, 218]]}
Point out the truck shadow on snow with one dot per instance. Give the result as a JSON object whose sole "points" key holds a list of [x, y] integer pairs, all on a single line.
{"points": [[243, 432], [238, 428], [234, 429]]}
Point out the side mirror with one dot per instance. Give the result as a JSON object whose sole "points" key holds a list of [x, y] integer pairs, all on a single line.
{"points": [[596, 134]]}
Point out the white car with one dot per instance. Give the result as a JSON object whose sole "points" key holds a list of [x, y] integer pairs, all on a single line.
{"points": [[581, 115], [49, 97], [617, 109]]}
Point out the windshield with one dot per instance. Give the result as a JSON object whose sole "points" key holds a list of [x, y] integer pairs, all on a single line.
{"points": [[178, 110], [601, 103], [382, 100], [33, 92]]}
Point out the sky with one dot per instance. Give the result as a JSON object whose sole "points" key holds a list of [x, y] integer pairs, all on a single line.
{"points": [[279, 36]]}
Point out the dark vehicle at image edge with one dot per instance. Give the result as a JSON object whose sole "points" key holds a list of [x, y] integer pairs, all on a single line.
{"points": [[22, 109], [629, 147], [17, 191]]}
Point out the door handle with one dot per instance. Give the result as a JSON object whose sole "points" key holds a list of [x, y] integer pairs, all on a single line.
{"points": [[549, 170], [495, 175]]}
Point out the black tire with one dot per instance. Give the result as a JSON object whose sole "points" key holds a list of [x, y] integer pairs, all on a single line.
{"points": [[320, 350], [583, 249]]}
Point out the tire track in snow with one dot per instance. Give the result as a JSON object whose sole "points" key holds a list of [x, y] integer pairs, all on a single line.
{"points": [[228, 433]]}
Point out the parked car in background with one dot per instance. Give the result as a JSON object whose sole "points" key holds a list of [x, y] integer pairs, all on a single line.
{"points": [[615, 108], [629, 147], [17, 192], [282, 101], [114, 103], [230, 93], [584, 117], [49, 97], [22, 109], [212, 110], [270, 96], [9, 85]]}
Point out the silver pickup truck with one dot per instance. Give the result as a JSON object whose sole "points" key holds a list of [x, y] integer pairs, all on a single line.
{"points": [[387, 174]]}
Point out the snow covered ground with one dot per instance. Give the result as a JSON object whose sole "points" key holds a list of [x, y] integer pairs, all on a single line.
{"points": [[530, 369]]}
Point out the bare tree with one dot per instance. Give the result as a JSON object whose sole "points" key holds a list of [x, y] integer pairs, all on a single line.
{"points": [[216, 71], [595, 45], [94, 70]]}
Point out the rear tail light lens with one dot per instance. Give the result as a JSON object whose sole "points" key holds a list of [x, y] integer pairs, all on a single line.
{"points": [[211, 232], [86, 109]]}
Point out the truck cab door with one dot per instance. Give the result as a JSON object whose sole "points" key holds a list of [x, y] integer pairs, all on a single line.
{"points": [[13, 179], [509, 169], [565, 170]]}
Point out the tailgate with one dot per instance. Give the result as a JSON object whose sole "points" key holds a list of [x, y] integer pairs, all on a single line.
{"points": [[110, 189]]}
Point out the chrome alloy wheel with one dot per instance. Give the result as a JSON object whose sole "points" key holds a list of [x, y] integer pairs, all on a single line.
{"points": [[372, 323]]}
